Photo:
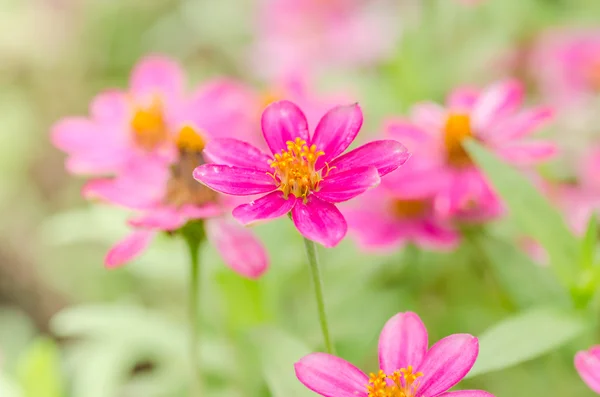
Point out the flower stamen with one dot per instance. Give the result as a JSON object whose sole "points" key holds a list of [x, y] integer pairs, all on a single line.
{"points": [[149, 127], [294, 170], [401, 383], [457, 129]]}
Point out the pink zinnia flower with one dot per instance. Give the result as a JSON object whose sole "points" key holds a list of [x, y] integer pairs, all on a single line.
{"points": [[567, 64], [588, 366], [491, 117], [296, 35], [150, 152], [305, 174], [401, 209], [407, 367]]}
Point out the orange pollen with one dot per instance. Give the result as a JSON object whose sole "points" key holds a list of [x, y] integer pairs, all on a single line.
{"points": [[294, 169], [149, 127], [593, 75], [409, 208], [401, 383], [190, 140], [458, 127]]}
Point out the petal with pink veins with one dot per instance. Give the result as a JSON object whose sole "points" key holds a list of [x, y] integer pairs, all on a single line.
{"points": [[499, 100], [336, 131], [342, 186], [587, 364], [229, 151], [239, 248], [282, 122], [271, 206], [385, 155], [446, 363], [319, 221], [234, 180], [520, 125], [467, 393], [331, 376], [527, 153], [156, 75], [403, 342], [129, 248]]}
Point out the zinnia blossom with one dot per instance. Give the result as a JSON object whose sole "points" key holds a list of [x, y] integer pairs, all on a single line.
{"points": [[306, 174], [587, 364], [401, 209], [148, 141], [493, 118], [408, 368], [295, 35]]}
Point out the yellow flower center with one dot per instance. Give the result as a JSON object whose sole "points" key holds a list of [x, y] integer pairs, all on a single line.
{"points": [[270, 96], [294, 169], [458, 127], [149, 127], [409, 208], [593, 75], [401, 383], [182, 189]]}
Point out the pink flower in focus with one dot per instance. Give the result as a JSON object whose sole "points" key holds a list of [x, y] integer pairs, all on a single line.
{"points": [[296, 35], [491, 117], [150, 152], [305, 174], [567, 65], [587, 364], [401, 209], [408, 368]]}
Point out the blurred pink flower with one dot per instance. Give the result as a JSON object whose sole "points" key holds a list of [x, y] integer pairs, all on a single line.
{"points": [[401, 209], [408, 368], [587, 364], [305, 174], [296, 35], [491, 117], [148, 142], [567, 65]]}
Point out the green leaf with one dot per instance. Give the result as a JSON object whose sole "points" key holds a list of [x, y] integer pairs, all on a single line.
{"points": [[523, 337], [531, 211], [278, 352], [588, 247], [39, 370]]}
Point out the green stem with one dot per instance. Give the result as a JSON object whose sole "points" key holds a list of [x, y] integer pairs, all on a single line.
{"points": [[193, 243], [313, 263]]}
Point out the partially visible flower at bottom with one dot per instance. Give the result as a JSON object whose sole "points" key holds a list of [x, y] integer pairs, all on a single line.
{"points": [[408, 368], [587, 364]]}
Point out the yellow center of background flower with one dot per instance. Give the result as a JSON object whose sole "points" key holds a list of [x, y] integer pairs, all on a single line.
{"points": [[149, 127], [458, 127], [294, 169], [189, 140], [593, 76], [401, 383], [409, 208]]}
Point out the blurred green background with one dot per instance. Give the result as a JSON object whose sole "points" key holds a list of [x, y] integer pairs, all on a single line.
{"points": [[69, 327]]}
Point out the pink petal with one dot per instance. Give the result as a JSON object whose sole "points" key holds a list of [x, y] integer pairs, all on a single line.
{"points": [[319, 221], [162, 218], [110, 107], [403, 342], [282, 122], [497, 101], [74, 134], [239, 248], [587, 364], [336, 131], [528, 153], [234, 180], [273, 205], [228, 151], [331, 376], [385, 155], [129, 248], [156, 75], [520, 125], [446, 363], [432, 234], [463, 99], [209, 210], [344, 185], [429, 116], [411, 136], [374, 230], [467, 393]]}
